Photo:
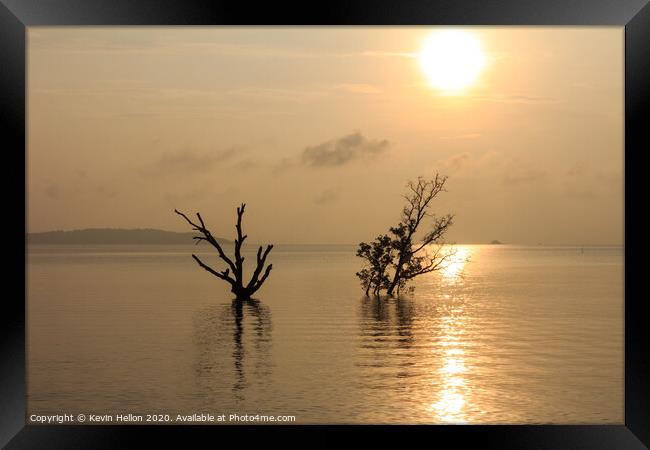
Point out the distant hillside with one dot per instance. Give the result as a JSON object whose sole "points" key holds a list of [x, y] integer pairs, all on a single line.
{"points": [[114, 236]]}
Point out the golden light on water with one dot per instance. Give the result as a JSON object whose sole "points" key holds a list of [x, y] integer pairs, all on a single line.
{"points": [[454, 365], [450, 400], [452, 60], [454, 266], [449, 407]]}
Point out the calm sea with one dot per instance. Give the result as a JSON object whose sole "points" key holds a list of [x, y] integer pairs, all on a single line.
{"points": [[514, 335]]}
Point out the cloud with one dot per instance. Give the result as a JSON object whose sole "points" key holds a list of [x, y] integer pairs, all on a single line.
{"points": [[523, 175], [188, 161], [496, 165], [283, 165], [327, 196], [184, 161], [583, 182], [185, 196], [245, 164], [344, 150], [100, 42], [455, 163], [291, 95]]}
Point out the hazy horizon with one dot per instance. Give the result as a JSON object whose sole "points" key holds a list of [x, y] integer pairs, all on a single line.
{"points": [[319, 129], [255, 243]]}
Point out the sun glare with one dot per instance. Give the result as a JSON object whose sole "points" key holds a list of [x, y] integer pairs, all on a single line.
{"points": [[453, 267], [452, 60]]}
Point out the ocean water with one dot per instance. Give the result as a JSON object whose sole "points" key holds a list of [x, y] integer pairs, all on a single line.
{"points": [[504, 334]]}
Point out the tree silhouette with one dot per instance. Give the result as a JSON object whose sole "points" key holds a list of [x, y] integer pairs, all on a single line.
{"points": [[234, 273], [395, 259], [379, 256]]}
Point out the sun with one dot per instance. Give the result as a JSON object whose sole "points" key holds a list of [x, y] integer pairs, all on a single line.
{"points": [[452, 60]]}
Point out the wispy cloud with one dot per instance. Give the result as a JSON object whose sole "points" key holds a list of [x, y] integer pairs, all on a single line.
{"points": [[455, 163], [509, 170], [584, 182], [289, 95], [283, 165], [188, 161], [523, 175], [158, 44], [151, 46], [151, 93], [344, 150], [327, 196], [245, 164]]}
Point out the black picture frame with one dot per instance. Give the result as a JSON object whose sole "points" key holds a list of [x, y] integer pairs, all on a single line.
{"points": [[16, 15]]}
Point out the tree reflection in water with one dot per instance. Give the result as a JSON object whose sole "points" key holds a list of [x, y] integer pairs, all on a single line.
{"points": [[387, 327], [234, 343], [413, 354]]}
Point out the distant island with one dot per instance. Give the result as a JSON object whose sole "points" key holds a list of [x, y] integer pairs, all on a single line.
{"points": [[114, 236], [495, 242]]}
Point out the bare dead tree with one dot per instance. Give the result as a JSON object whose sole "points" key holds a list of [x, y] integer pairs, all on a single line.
{"points": [[234, 273]]}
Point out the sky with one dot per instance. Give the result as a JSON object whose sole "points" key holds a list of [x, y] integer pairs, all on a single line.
{"points": [[318, 130]]}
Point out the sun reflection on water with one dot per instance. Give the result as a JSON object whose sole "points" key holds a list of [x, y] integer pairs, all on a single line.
{"points": [[453, 267], [449, 406], [451, 379], [450, 403]]}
